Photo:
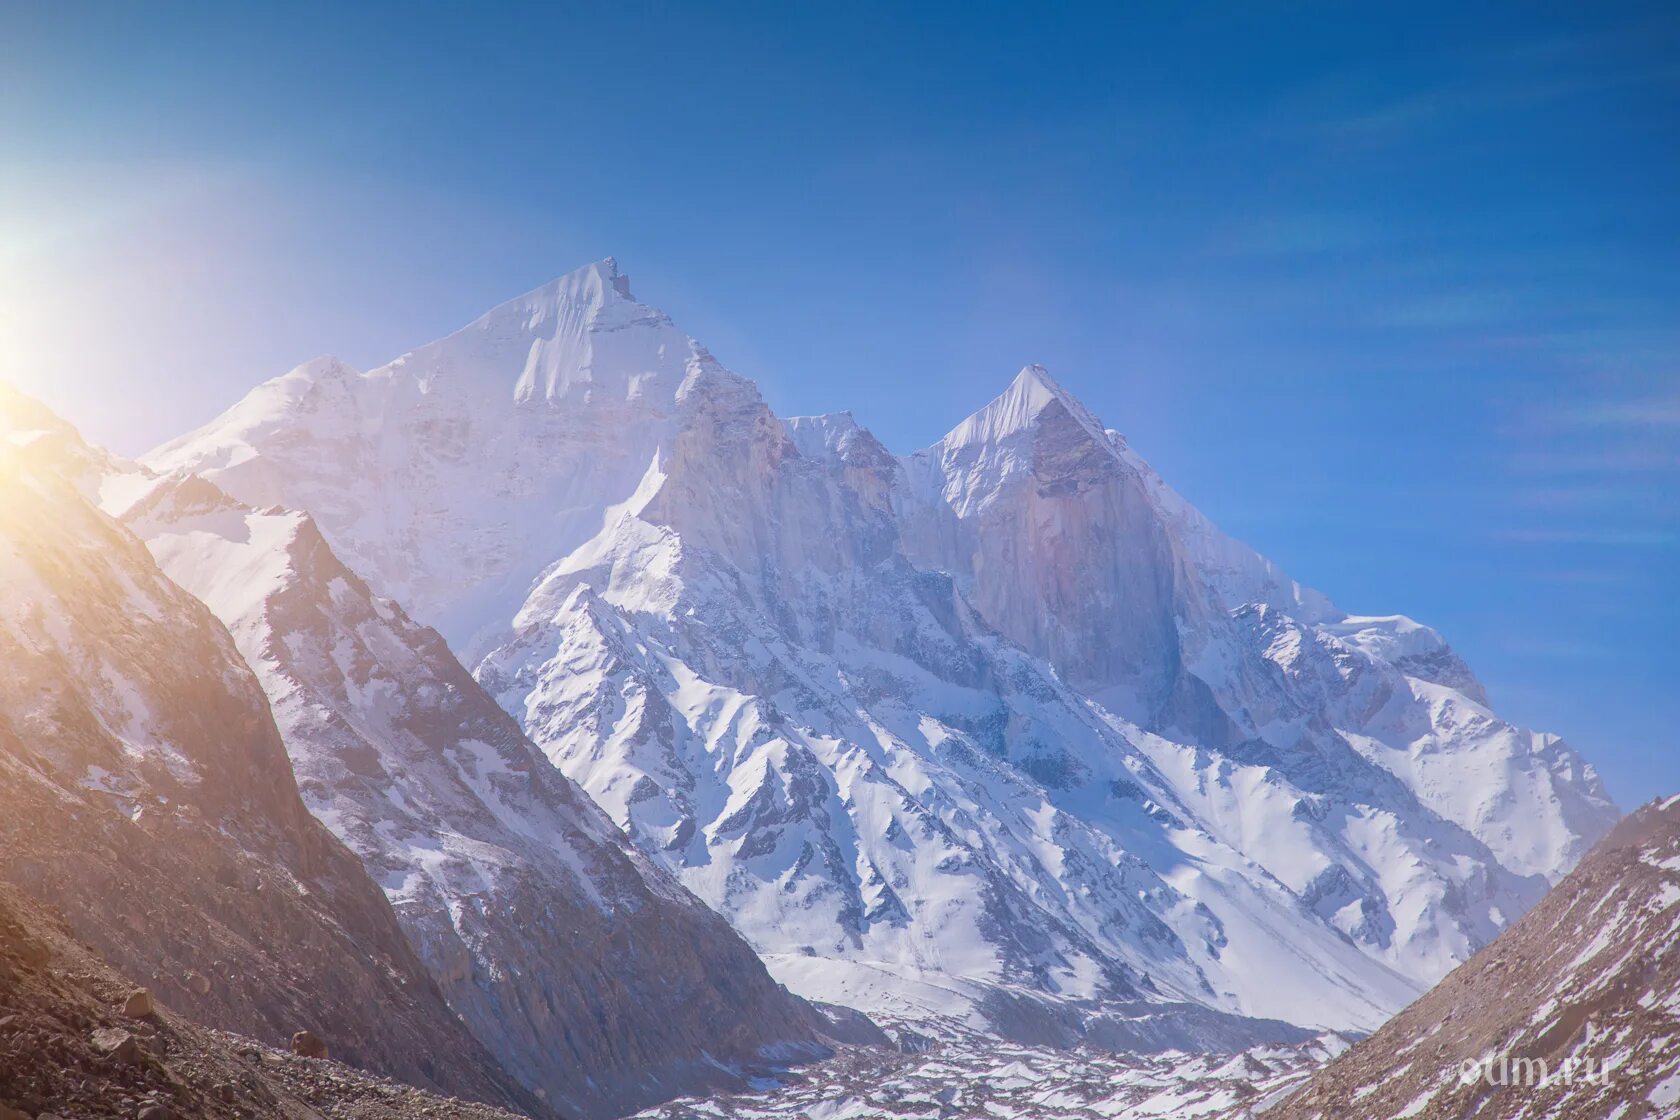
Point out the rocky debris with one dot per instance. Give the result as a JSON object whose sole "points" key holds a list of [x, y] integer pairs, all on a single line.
{"points": [[976, 1077], [1572, 1012], [66, 1053], [139, 1004], [306, 1045]]}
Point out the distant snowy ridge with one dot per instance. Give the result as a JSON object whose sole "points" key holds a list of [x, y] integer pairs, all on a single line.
{"points": [[1004, 731]]}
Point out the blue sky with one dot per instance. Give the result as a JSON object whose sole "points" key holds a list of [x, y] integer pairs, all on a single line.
{"points": [[1393, 297]]}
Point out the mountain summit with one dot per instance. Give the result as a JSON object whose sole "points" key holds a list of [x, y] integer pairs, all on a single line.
{"points": [[456, 473], [1003, 735]]}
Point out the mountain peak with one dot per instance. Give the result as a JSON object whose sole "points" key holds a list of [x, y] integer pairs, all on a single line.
{"points": [[577, 331], [1018, 408], [322, 367], [597, 294], [596, 286], [1035, 378]]}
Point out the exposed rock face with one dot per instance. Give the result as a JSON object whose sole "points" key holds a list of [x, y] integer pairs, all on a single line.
{"points": [[585, 969], [149, 797], [58, 1035], [1573, 1011], [1004, 731], [1055, 539]]}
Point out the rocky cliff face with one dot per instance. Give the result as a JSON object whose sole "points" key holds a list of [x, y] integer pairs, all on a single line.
{"points": [[1003, 732], [590, 974], [1571, 1012], [1056, 542], [150, 799]]}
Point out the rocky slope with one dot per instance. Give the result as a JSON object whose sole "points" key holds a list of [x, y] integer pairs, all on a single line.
{"points": [[586, 970], [150, 799], [1003, 732], [1574, 1011], [70, 1046]]}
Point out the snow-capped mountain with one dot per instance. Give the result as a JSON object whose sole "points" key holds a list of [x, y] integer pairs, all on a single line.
{"points": [[1003, 732], [468, 465], [1071, 546], [147, 796], [588, 973], [586, 970]]}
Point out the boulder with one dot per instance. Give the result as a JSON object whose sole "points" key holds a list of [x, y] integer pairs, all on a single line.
{"points": [[117, 1044], [139, 1004], [306, 1045]]}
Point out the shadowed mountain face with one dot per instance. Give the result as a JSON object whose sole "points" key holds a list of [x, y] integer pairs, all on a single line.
{"points": [[1571, 1012], [1003, 733], [149, 798]]}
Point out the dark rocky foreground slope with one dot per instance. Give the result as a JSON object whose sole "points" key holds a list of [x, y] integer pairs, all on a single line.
{"points": [[148, 797], [69, 1048], [1574, 1012]]}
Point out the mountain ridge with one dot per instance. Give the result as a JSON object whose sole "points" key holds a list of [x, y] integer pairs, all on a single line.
{"points": [[834, 689], [509, 882], [151, 801]]}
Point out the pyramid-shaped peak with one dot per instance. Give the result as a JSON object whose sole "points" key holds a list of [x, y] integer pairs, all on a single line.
{"points": [[1036, 380], [1018, 409]]}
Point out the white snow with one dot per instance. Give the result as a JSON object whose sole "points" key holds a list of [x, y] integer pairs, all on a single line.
{"points": [[886, 713]]}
